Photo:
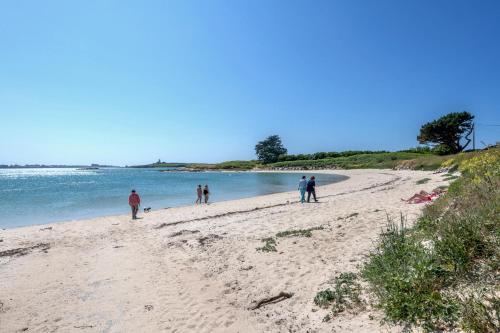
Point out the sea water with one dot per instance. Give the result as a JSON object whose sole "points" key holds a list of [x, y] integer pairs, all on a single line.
{"points": [[37, 196]]}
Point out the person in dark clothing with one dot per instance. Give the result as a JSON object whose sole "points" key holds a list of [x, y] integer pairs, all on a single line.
{"points": [[311, 189], [206, 193]]}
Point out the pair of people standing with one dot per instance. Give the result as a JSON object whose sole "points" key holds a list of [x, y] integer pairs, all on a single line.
{"points": [[309, 187], [202, 192], [134, 200]]}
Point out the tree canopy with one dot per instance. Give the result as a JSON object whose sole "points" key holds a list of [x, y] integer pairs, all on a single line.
{"points": [[447, 132], [270, 149]]}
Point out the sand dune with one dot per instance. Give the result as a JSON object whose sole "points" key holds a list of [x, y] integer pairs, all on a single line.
{"points": [[196, 269]]}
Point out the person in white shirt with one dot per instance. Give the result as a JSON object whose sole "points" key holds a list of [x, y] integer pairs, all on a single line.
{"points": [[302, 189]]}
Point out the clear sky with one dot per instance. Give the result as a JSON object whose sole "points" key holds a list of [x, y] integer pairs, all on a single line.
{"points": [[126, 82]]}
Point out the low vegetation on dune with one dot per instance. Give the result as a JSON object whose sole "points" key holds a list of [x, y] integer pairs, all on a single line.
{"points": [[423, 162], [229, 165], [325, 155], [413, 159], [344, 295], [270, 243], [443, 272], [335, 160], [385, 160]]}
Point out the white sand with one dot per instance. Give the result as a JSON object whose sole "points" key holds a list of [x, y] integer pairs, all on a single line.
{"points": [[112, 274]]}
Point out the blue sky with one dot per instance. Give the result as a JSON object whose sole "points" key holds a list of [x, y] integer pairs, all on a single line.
{"points": [[126, 82]]}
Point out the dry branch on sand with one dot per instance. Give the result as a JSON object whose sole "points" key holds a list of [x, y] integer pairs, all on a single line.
{"points": [[271, 300]]}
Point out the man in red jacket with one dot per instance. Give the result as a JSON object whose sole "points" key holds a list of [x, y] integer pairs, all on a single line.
{"points": [[134, 201]]}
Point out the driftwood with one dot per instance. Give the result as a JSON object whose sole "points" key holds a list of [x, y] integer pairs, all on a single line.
{"points": [[269, 300]]}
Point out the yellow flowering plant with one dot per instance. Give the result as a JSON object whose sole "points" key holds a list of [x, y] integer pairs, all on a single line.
{"points": [[482, 168]]}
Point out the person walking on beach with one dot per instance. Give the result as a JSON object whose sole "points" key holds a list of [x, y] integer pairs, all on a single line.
{"points": [[134, 201], [311, 189], [206, 193], [199, 192], [302, 188]]}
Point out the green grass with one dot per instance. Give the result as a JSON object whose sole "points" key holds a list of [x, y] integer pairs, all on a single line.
{"points": [[228, 165], [375, 160], [416, 159], [269, 246], [443, 272], [271, 242], [323, 155], [450, 177], [237, 165], [423, 162], [410, 159], [360, 161], [344, 295], [423, 181]]}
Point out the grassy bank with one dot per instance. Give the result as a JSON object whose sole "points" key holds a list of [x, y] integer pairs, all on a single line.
{"points": [[228, 165], [341, 160], [442, 273], [411, 159], [383, 160]]}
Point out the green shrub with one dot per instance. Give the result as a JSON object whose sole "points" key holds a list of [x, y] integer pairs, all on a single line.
{"points": [[378, 160], [270, 242], [441, 150], [423, 276], [345, 294], [450, 177], [269, 246], [237, 165], [406, 278], [481, 313]]}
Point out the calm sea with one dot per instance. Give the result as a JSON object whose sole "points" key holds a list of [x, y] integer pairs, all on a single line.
{"points": [[37, 196]]}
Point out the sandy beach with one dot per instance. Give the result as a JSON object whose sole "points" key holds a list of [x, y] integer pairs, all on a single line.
{"points": [[196, 268]]}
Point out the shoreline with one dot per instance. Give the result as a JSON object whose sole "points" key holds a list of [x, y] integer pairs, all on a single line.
{"points": [[331, 172], [196, 268]]}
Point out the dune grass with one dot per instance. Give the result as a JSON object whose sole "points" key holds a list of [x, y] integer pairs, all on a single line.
{"points": [[344, 295], [228, 165], [384, 160], [410, 159], [378, 160], [443, 272], [270, 243]]}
